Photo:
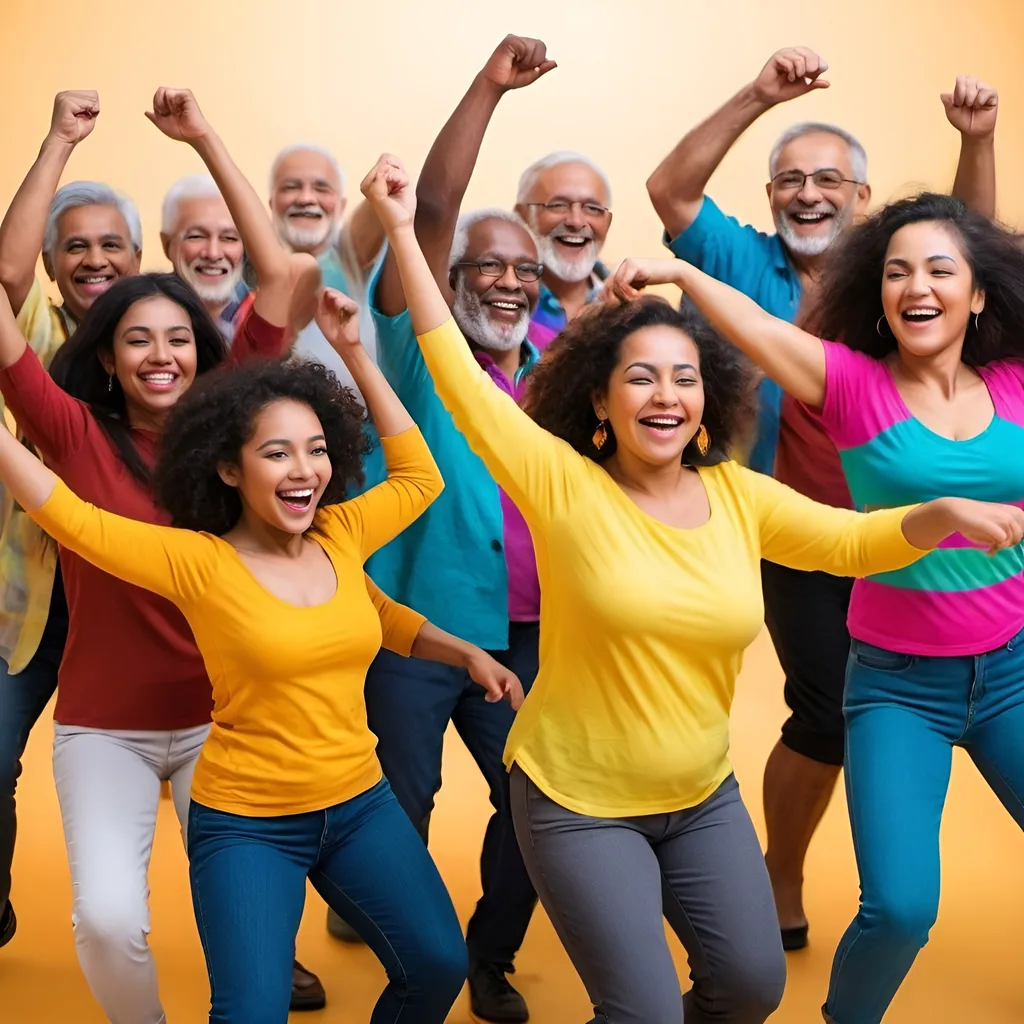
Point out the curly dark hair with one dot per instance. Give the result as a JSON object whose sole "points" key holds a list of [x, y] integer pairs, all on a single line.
{"points": [[217, 417], [849, 302], [77, 368], [581, 359]]}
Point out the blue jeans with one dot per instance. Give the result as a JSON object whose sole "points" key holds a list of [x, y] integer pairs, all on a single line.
{"points": [[409, 704], [23, 697], [366, 860], [904, 715]]}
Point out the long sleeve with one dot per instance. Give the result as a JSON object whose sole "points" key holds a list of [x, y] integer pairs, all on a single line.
{"points": [[256, 338], [535, 469], [176, 564], [399, 624], [798, 532], [380, 514]]}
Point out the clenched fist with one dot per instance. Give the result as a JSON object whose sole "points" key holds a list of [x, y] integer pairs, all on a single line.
{"points": [[389, 192], [972, 107], [516, 62], [794, 71], [337, 316], [176, 113], [74, 115]]}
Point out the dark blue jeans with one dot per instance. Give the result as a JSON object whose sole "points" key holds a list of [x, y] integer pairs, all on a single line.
{"points": [[22, 700], [366, 860], [409, 704]]}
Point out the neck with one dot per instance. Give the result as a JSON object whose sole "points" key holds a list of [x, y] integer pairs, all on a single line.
{"points": [[254, 535], [571, 294], [940, 372], [632, 474], [216, 308], [808, 267], [507, 360], [149, 420]]}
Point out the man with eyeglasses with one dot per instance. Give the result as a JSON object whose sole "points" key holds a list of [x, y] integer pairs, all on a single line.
{"points": [[817, 188], [468, 561], [565, 198]]}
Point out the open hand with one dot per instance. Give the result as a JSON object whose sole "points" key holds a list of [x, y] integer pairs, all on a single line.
{"points": [[636, 273], [517, 61], [337, 316], [387, 189], [792, 72], [499, 682], [972, 107], [176, 113], [74, 115]]}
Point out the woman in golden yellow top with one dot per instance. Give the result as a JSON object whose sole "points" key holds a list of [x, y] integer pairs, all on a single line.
{"points": [[648, 548], [269, 575]]}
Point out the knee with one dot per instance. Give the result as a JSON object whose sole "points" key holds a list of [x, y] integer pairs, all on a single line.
{"points": [[752, 988], [112, 921], [903, 919], [438, 970]]}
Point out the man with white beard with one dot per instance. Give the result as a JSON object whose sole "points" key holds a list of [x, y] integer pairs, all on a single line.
{"points": [[565, 198], [817, 188]]}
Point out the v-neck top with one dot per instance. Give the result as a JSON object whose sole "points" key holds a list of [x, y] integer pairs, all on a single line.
{"points": [[289, 718]]}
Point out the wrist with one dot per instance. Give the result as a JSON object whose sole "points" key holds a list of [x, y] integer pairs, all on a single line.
{"points": [[487, 88], [978, 143], [53, 144], [751, 99]]}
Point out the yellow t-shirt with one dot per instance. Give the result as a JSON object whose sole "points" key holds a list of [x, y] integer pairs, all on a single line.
{"points": [[289, 720], [643, 625]]}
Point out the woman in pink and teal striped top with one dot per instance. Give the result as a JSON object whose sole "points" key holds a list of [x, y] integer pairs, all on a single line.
{"points": [[924, 397]]}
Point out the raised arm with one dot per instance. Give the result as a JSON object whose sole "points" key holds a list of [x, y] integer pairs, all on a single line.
{"points": [[442, 185], [21, 234], [794, 359], [972, 108], [176, 113], [364, 236], [676, 187]]}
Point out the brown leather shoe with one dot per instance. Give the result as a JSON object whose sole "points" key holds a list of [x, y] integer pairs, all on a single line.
{"points": [[307, 992]]}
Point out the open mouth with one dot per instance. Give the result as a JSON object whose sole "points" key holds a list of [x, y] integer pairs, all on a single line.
{"points": [[573, 242], [296, 500], [305, 214], [811, 219], [505, 310], [662, 426], [93, 284], [920, 314], [159, 381], [211, 271]]}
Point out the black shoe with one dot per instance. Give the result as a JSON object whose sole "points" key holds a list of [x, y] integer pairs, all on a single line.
{"points": [[307, 992], [492, 998], [8, 924], [794, 938]]}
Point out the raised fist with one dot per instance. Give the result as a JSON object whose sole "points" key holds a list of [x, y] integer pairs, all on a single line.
{"points": [[176, 113], [337, 316], [388, 190], [794, 71], [74, 115], [972, 107], [516, 62]]}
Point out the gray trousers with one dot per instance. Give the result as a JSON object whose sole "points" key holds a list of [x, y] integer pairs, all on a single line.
{"points": [[607, 883]]}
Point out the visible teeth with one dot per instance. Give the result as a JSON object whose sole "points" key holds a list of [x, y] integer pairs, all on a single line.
{"points": [[158, 378], [308, 493], [506, 305], [921, 314], [93, 280], [809, 218], [572, 239], [660, 422]]}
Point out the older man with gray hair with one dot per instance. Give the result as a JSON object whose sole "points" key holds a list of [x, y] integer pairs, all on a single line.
{"points": [[818, 186]]}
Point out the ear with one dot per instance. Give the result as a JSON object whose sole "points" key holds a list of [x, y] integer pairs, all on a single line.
{"points": [[106, 359], [229, 473], [48, 267], [600, 411], [137, 268], [524, 211], [451, 279], [863, 198], [165, 242], [977, 301], [768, 191]]}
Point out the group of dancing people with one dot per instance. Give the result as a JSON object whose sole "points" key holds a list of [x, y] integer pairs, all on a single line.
{"points": [[335, 484]]}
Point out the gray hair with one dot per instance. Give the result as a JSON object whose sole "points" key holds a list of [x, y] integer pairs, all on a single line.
{"points": [[563, 156], [858, 156], [308, 147], [89, 193], [192, 186], [460, 241]]}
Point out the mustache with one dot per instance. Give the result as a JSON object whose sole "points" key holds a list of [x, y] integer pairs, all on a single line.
{"points": [[561, 231], [824, 206], [304, 208], [221, 264]]}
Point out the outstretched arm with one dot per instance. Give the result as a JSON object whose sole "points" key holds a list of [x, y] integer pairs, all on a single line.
{"points": [[677, 186], [21, 234], [972, 108], [176, 113]]}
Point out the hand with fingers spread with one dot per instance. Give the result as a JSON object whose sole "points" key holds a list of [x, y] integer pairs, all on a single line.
{"points": [[74, 115], [176, 113], [499, 682], [636, 273], [337, 316], [388, 190], [518, 61], [972, 107], [792, 72]]}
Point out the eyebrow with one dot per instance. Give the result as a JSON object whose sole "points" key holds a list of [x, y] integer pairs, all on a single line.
{"points": [[110, 236], [286, 442], [899, 261], [654, 369], [149, 330]]}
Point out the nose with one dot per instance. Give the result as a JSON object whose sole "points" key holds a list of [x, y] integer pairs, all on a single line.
{"points": [[307, 197], [919, 282], [212, 250], [160, 353], [809, 193], [95, 258], [574, 218], [300, 468], [665, 393], [508, 281]]}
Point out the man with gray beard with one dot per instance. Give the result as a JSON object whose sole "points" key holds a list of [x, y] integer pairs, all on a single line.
{"points": [[817, 188]]}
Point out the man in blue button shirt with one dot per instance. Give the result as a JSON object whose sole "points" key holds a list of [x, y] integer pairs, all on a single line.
{"points": [[817, 187]]}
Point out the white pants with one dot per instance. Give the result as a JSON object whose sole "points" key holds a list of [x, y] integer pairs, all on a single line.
{"points": [[108, 784]]}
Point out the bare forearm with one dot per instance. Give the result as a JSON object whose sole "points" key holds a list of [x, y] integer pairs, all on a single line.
{"points": [[384, 406], [434, 644], [12, 343], [21, 234], [427, 305], [27, 480], [975, 182], [364, 235], [928, 525]]}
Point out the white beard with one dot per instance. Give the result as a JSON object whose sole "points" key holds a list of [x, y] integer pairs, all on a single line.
{"points": [[303, 239], [813, 245], [479, 328], [212, 294], [571, 269]]}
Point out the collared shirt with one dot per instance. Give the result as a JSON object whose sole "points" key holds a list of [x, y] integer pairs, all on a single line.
{"points": [[549, 318], [467, 563], [790, 443]]}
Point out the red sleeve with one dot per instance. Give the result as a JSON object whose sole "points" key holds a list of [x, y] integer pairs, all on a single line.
{"points": [[53, 421], [256, 338]]}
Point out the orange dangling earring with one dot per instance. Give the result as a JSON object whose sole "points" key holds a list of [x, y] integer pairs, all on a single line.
{"points": [[600, 437], [703, 440]]}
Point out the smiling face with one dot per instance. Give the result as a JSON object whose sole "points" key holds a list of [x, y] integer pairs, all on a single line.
{"points": [[283, 468], [153, 358], [306, 202], [94, 249], [206, 249], [494, 312], [928, 289], [654, 399]]}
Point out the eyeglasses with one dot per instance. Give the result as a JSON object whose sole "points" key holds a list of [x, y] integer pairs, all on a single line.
{"points": [[828, 179], [497, 268], [560, 207]]}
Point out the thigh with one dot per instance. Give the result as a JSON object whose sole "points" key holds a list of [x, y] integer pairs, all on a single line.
{"points": [[484, 728], [23, 697], [248, 879], [186, 746], [718, 900], [409, 703], [600, 883], [806, 617]]}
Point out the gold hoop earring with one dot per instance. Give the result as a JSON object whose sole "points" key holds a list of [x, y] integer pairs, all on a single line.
{"points": [[703, 440], [600, 437]]}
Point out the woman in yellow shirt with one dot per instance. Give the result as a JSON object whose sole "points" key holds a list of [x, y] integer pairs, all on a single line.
{"points": [[648, 546], [269, 574]]}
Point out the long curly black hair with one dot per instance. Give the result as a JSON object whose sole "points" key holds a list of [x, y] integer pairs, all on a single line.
{"points": [[849, 303], [77, 368], [581, 360], [218, 416]]}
